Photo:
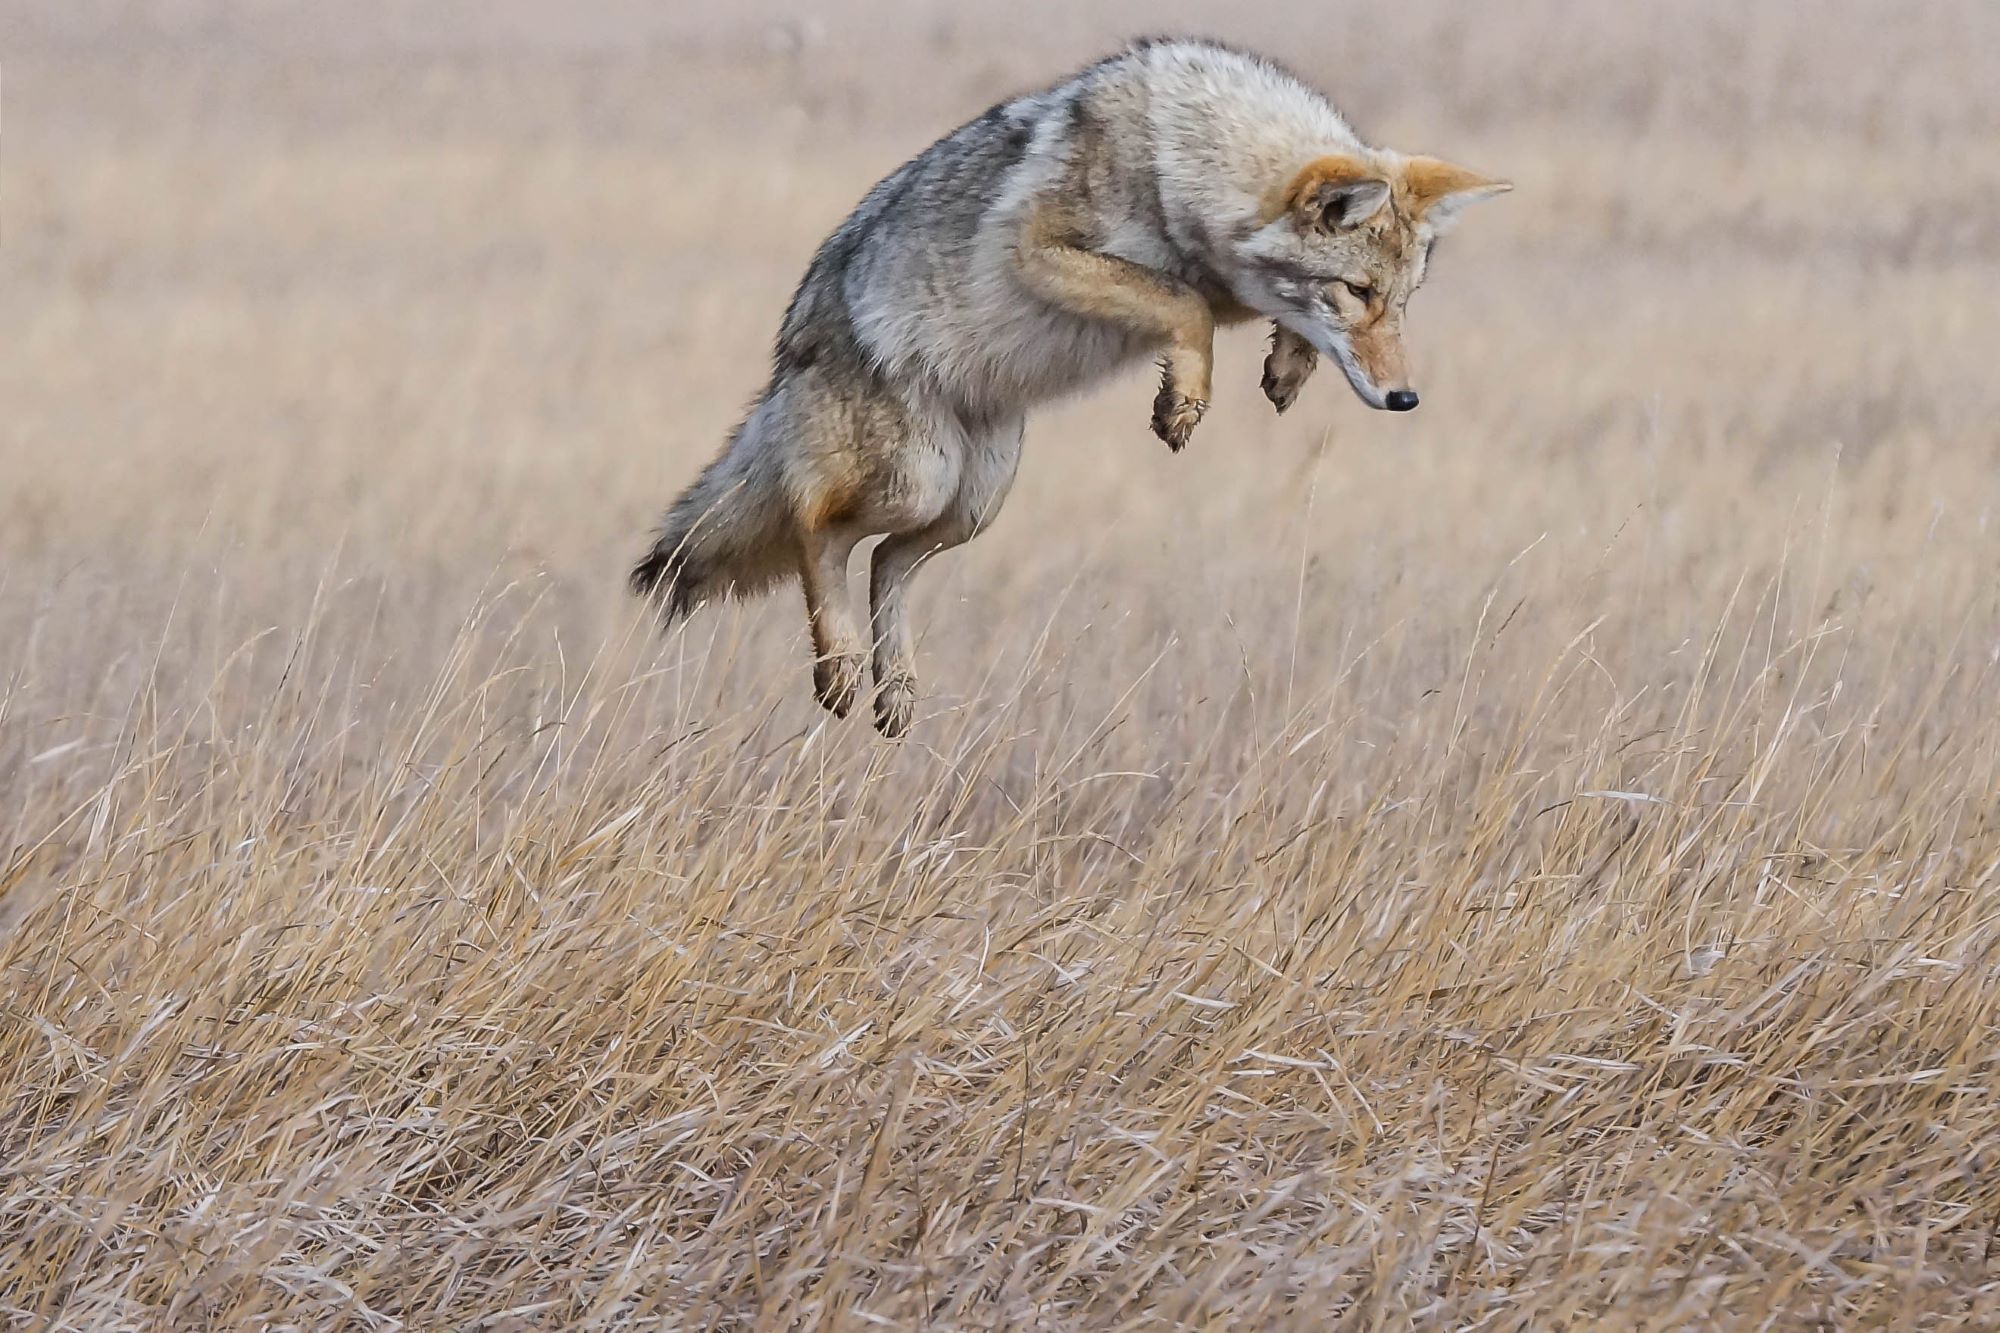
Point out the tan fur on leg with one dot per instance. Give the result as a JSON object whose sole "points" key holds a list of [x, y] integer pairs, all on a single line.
{"points": [[836, 634], [1134, 297]]}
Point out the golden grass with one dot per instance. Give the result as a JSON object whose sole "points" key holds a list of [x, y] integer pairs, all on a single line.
{"points": [[1529, 864]]}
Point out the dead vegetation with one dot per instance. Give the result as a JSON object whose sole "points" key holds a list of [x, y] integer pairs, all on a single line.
{"points": [[1530, 864]]}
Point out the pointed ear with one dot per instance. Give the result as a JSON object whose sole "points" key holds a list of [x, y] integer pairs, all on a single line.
{"points": [[1437, 190], [1335, 192]]}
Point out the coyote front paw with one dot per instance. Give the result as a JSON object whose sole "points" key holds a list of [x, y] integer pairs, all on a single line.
{"points": [[1286, 369], [895, 701], [1175, 416], [836, 680]]}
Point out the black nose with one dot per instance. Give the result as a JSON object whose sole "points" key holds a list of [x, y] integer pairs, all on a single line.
{"points": [[1402, 400]]}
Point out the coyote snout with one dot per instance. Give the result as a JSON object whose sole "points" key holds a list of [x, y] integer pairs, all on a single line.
{"points": [[1124, 213], [1368, 347]]}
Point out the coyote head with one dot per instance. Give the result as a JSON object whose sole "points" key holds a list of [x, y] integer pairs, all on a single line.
{"points": [[1339, 247]]}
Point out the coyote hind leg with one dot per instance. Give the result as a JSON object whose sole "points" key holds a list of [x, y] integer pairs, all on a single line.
{"points": [[895, 560], [992, 456], [838, 646]]}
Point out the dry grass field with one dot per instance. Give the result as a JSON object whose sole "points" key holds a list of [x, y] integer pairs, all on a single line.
{"points": [[1530, 864]]}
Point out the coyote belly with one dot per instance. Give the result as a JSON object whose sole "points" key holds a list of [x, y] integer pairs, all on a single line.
{"points": [[1126, 212]]}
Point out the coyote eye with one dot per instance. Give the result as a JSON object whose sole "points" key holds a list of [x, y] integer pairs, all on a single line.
{"points": [[1360, 292]]}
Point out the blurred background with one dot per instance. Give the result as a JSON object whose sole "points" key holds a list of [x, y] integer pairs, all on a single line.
{"points": [[438, 294], [437, 290]]}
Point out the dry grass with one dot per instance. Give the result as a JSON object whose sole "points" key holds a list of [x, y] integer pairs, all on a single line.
{"points": [[1532, 864]]}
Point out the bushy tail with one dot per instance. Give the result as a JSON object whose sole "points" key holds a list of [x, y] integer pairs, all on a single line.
{"points": [[729, 534]]}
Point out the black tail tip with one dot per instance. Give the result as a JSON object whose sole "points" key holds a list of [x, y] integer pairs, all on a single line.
{"points": [[668, 582], [649, 573]]}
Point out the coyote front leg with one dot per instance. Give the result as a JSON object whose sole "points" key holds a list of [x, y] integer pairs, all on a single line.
{"points": [[1287, 368], [1134, 297]]}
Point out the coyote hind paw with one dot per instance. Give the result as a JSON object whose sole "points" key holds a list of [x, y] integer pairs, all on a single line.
{"points": [[837, 680], [1176, 416], [895, 701]]}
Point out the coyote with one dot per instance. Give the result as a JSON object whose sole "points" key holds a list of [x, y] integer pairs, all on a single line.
{"points": [[1127, 211]]}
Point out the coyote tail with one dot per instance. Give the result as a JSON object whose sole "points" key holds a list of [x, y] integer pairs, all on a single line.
{"points": [[729, 534]]}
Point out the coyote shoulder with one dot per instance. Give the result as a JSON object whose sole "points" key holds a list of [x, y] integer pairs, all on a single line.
{"points": [[1125, 212]]}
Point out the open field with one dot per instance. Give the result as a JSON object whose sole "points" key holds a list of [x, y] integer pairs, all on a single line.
{"points": [[1532, 863]]}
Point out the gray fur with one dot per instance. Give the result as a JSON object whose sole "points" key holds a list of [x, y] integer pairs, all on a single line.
{"points": [[1031, 252]]}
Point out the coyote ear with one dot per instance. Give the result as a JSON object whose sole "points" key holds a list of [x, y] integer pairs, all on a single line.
{"points": [[1335, 192], [1438, 191], [1342, 206]]}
